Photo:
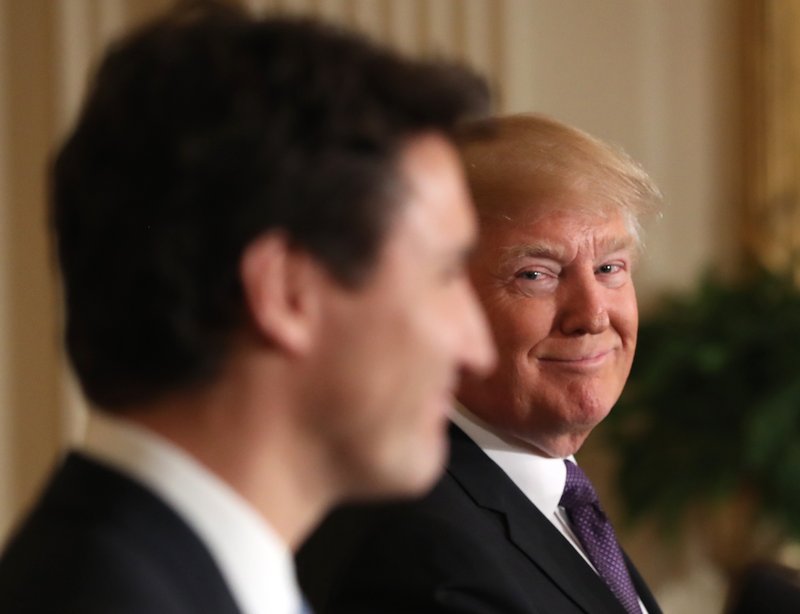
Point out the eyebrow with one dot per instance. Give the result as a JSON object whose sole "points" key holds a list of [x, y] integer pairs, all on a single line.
{"points": [[534, 250], [557, 253]]}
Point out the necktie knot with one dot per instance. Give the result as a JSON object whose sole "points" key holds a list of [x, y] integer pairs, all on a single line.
{"points": [[578, 490]]}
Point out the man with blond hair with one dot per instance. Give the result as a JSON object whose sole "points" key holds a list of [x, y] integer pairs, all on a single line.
{"points": [[514, 526]]}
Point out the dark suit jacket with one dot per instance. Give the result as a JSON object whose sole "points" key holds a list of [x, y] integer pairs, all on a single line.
{"points": [[98, 542], [474, 545]]}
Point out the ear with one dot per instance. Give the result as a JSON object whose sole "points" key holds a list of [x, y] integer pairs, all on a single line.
{"points": [[281, 291]]}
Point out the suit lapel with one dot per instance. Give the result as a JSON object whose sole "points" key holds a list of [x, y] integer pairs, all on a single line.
{"points": [[528, 529]]}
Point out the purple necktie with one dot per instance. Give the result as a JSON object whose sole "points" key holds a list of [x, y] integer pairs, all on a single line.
{"points": [[594, 531]]}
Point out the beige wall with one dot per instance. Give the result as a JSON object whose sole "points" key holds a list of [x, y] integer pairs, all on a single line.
{"points": [[658, 77], [30, 378]]}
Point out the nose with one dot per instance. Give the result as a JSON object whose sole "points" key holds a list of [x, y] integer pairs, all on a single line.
{"points": [[477, 349], [583, 308]]}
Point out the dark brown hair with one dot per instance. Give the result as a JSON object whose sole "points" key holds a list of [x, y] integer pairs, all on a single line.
{"points": [[201, 131]]}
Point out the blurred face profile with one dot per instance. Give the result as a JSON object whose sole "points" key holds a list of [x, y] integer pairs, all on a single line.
{"points": [[395, 347], [556, 285]]}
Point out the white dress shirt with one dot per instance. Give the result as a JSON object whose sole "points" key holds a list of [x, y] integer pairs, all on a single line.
{"points": [[257, 566], [540, 478]]}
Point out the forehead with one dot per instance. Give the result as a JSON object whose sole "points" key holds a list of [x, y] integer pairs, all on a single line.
{"points": [[525, 199], [555, 233], [436, 209]]}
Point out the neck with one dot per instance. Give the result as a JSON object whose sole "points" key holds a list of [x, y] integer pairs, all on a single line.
{"points": [[253, 440]]}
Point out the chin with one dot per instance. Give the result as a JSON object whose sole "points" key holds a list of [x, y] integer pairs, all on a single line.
{"points": [[564, 445], [591, 408], [557, 440], [421, 472], [396, 487]]}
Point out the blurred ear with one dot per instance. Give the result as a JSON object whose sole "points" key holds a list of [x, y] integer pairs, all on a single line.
{"points": [[281, 287]]}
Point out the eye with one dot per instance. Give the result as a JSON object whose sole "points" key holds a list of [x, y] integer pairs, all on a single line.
{"points": [[613, 274], [530, 275], [609, 268], [535, 282]]}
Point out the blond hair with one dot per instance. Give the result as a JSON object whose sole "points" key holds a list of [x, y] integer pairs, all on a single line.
{"points": [[524, 163]]}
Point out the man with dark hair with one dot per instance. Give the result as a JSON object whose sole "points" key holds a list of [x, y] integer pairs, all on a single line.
{"points": [[262, 227]]}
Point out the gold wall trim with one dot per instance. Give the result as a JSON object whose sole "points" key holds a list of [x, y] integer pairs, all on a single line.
{"points": [[771, 98]]}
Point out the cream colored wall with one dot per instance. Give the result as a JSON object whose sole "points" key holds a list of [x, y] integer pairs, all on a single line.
{"points": [[658, 77], [655, 76]]}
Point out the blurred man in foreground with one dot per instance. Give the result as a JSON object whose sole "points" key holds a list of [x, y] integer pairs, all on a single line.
{"points": [[262, 227], [514, 526]]}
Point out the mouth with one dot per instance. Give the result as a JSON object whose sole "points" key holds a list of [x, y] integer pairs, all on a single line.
{"points": [[579, 361]]}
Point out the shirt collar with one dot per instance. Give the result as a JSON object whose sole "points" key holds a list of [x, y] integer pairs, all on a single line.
{"points": [[540, 478], [252, 558]]}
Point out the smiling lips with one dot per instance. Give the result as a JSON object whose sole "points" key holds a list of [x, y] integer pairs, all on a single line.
{"points": [[587, 359]]}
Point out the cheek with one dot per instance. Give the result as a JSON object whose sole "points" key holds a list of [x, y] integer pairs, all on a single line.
{"points": [[519, 327], [610, 384], [625, 317], [415, 345], [433, 329]]}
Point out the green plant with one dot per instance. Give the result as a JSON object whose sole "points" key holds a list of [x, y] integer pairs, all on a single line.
{"points": [[712, 407]]}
